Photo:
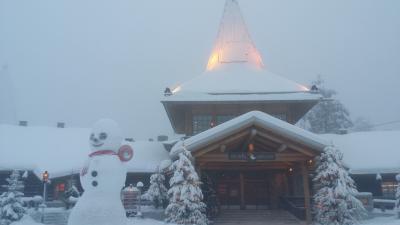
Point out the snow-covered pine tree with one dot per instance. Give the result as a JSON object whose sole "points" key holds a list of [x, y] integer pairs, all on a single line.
{"points": [[334, 201], [11, 204], [398, 192], [157, 192], [328, 116], [185, 196]]}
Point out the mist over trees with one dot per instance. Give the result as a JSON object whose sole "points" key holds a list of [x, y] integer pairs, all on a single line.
{"points": [[329, 115]]}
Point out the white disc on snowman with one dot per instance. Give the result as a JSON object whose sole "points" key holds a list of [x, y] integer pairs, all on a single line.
{"points": [[102, 178]]}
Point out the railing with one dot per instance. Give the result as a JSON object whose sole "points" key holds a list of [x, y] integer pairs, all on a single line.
{"points": [[294, 205]]}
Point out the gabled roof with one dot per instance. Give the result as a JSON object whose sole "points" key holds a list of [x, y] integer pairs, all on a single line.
{"points": [[235, 68], [369, 152], [63, 151], [254, 118]]}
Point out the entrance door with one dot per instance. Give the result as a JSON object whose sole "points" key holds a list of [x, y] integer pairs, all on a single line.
{"points": [[228, 190], [256, 194], [244, 190]]}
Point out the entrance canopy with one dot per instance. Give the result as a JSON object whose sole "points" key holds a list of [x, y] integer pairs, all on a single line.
{"points": [[256, 137]]}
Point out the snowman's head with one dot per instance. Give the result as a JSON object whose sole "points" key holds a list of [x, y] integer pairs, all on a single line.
{"points": [[106, 135]]}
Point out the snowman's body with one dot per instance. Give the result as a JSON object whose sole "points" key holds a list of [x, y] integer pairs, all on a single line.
{"points": [[102, 180]]}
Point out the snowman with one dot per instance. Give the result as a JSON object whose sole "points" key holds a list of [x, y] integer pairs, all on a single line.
{"points": [[102, 178]]}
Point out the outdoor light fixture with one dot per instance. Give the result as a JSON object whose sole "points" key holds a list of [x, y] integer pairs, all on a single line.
{"points": [[290, 169], [212, 124], [250, 149], [45, 176]]}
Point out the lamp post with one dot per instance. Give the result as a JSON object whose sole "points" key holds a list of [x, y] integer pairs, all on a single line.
{"points": [[45, 178], [139, 186]]}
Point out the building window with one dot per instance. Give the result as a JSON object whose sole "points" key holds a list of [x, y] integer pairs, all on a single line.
{"points": [[223, 118], [389, 189], [60, 187], [201, 123]]}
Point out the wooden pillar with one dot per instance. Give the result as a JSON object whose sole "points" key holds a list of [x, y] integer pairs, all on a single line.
{"points": [[242, 203], [306, 186]]}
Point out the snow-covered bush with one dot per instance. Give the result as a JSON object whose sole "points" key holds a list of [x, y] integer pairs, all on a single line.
{"points": [[71, 196], [157, 192], [11, 203], [335, 202], [185, 196]]}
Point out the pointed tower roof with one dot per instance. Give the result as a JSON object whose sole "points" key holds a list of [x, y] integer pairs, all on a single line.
{"points": [[233, 44], [235, 68]]}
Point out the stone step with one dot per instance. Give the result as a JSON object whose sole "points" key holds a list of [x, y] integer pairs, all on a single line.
{"points": [[256, 217], [55, 218]]}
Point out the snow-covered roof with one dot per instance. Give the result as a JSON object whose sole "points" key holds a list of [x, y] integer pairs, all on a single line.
{"points": [[235, 71], [257, 118], [238, 82], [233, 43], [369, 152], [62, 151]]}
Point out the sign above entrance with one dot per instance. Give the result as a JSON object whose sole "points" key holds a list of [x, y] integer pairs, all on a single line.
{"points": [[245, 156]]}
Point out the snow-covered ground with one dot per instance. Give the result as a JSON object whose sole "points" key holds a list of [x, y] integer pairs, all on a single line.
{"points": [[390, 220], [27, 220], [387, 218]]}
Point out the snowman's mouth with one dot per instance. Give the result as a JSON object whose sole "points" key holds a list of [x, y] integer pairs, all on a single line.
{"points": [[97, 145]]}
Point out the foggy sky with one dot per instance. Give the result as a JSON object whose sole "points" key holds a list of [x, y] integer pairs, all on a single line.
{"points": [[78, 61]]}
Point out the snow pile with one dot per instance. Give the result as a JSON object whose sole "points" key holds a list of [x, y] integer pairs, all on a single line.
{"points": [[26, 220], [369, 152], [62, 151]]}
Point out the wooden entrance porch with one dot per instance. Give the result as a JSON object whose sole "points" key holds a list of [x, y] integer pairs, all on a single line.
{"points": [[254, 168], [256, 160]]}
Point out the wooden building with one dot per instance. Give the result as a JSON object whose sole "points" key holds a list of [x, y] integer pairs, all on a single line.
{"points": [[238, 119]]}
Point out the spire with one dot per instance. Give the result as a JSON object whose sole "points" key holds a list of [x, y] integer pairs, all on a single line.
{"points": [[233, 43]]}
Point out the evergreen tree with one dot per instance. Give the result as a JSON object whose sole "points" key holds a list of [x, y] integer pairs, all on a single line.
{"points": [[157, 192], [335, 202], [329, 115], [398, 192], [185, 196], [11, 204]]}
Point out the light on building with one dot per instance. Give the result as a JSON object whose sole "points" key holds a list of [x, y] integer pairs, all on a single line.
{"points": [[176, 89], [45, 176], [251, 147], [213, 60]]}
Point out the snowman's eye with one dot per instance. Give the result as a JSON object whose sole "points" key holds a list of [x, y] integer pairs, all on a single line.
{"points": [[91, 136], [102, 136]]}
